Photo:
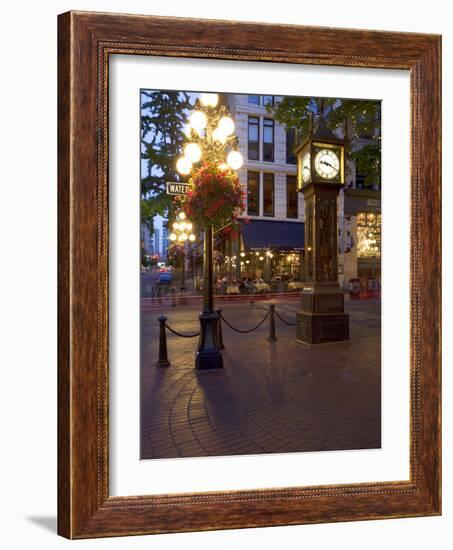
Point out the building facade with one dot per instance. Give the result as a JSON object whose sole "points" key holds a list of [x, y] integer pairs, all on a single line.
{"points": [[270, 243], [271, 238], [359, 231], [146, 240], [164, 240], [156, 242]]}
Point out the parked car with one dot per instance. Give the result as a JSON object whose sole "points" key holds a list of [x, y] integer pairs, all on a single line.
{"points": [[165, 276]]}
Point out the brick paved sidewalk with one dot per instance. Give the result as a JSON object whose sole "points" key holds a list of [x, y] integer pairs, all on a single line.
{"points": [[269, 397]]}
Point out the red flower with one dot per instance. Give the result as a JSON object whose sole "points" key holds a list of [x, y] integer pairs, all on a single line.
{"points": [[215, 197]]}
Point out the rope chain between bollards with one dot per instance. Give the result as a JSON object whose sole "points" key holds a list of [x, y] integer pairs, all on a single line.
{"points": [[244, 331], [180, 334], [284, 320]]}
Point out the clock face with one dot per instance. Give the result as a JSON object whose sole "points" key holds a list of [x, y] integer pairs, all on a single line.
{"points": [[327, 164], [306, 167]]}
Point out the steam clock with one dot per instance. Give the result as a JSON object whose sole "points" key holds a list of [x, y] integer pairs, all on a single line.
{"points": [[321, 175]]}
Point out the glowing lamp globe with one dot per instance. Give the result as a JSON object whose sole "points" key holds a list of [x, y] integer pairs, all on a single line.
{"points": [[182, 216], [226, 125], [183, 236], [191, 237], [192, 152], [209, 100], [189, 226], [172, 237], [234, 160], [184, 166], [219, 135], [176, 226], [198, 120]]}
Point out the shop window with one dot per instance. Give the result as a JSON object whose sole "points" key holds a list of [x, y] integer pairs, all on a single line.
{"points": [[368, 235]]}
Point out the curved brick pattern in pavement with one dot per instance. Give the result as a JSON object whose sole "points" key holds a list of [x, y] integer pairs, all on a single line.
{"points": [[270, 397]]}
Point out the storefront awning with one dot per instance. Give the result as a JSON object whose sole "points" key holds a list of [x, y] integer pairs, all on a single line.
{"points": [[273, 234]]}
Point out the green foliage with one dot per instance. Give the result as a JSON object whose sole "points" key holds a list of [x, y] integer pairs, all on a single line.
{"points": [[360, 120], [163, 115], [147, 214]]}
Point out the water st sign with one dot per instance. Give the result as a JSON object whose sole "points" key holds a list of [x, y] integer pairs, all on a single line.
{"points": [[176, 188]]}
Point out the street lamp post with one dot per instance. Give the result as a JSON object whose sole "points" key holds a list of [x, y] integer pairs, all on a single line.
{"points": [[182, 232], [211, 133]]}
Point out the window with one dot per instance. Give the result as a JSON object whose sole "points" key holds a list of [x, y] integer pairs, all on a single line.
{"points": [[261, 100], [254, 99], [360, 181], [253, 193], [254, 138], [268, 140], [268, 194], [290, 144], [292, 198]]}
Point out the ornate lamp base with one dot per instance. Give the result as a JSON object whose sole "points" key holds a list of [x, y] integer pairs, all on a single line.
{"points": [[209, 355]]}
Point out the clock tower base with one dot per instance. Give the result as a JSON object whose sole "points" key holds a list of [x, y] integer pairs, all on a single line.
{"points": [[321, 319]]}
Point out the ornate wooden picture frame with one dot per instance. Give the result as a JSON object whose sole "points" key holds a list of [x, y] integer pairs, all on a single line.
{"points": [[85, 507]]}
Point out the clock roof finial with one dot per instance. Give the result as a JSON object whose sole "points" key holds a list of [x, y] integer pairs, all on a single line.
{"points": [[322, 131]]}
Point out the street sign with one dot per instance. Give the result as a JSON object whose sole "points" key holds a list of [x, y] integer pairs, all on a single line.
{"points": [[175, 188]]}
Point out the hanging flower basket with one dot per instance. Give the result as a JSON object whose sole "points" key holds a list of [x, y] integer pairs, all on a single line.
{"points": [[216, 196]]}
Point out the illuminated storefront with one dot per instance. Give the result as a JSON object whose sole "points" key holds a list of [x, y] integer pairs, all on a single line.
{"points": [[267, 250], [368, 235], [361, 238]]}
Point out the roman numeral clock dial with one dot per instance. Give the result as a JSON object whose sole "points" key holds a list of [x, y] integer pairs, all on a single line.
{"points": [[306, 168], [327, 164]]}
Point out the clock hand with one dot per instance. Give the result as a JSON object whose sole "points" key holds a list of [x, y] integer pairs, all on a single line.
{"points": [[327, 164]]}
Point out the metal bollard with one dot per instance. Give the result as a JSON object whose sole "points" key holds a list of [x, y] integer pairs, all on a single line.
{"points": [[219, 329], [272, 337], [173, 297], [163, 358]]}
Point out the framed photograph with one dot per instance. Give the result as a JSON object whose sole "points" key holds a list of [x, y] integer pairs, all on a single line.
{"points": [[249, 275]]}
